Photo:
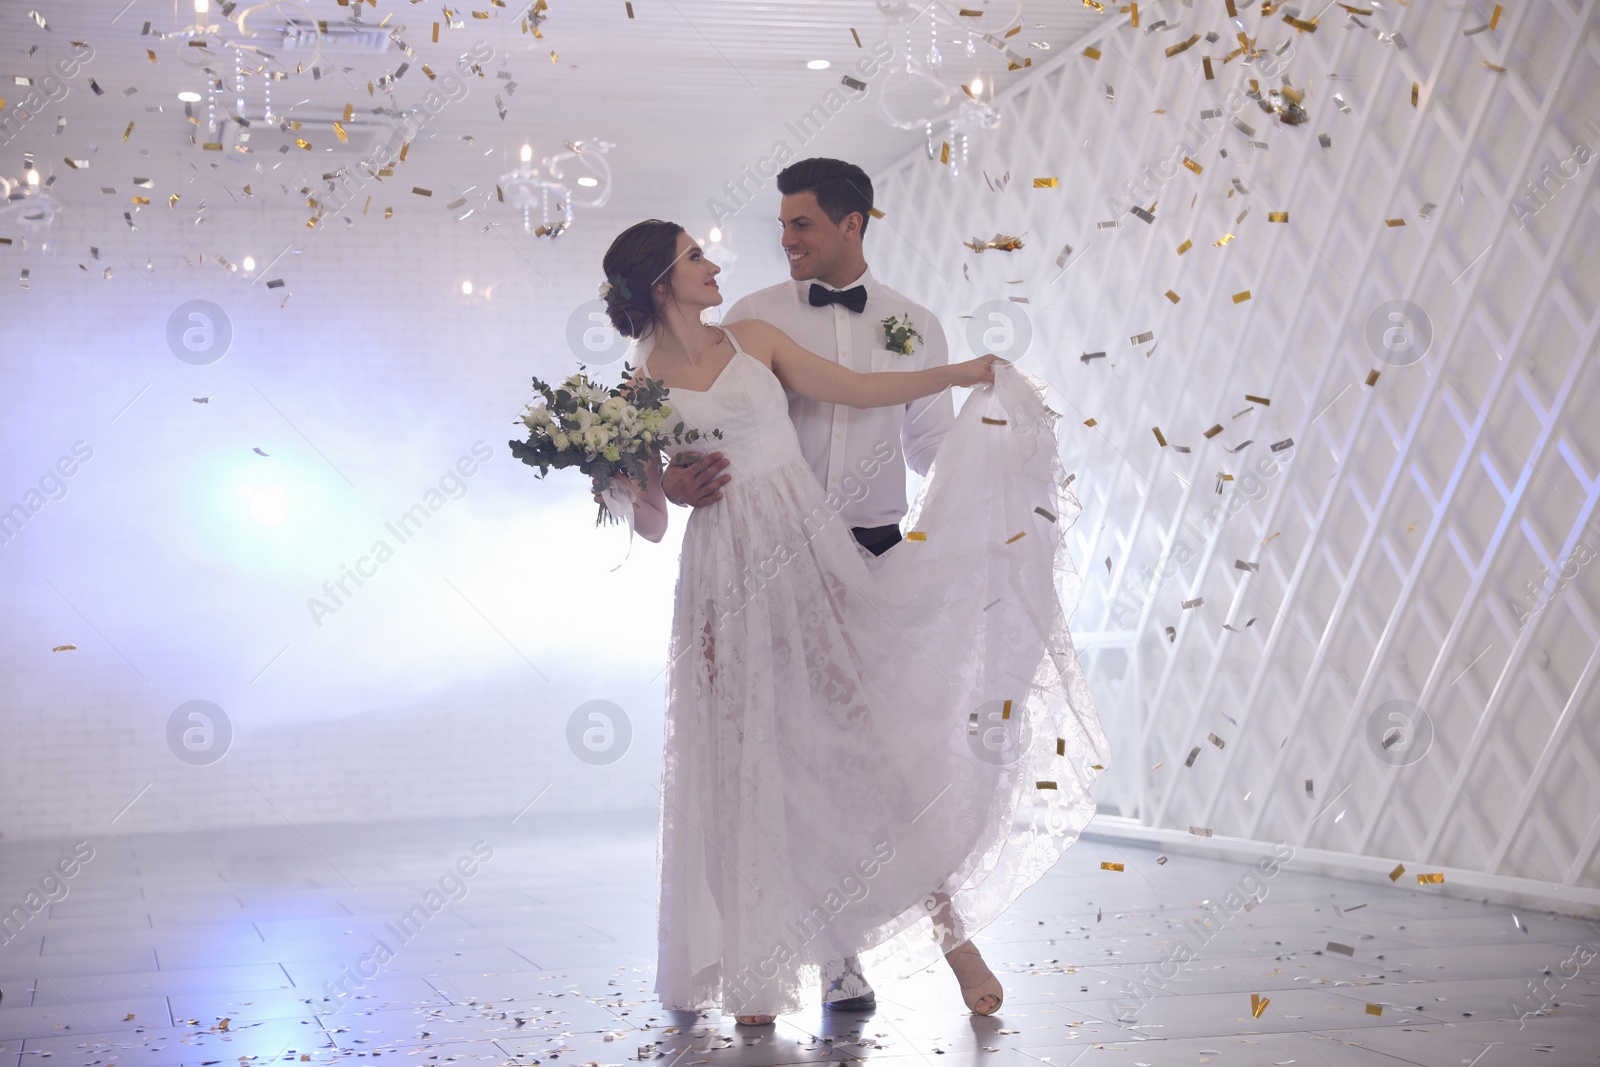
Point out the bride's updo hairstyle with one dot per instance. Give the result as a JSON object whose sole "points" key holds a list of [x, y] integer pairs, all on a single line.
{"points": [[641, 257]]}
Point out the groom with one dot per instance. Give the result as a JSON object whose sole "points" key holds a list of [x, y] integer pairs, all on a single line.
{"points": [[834, 307]]}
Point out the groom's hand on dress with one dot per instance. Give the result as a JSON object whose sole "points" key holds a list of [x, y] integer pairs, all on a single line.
{"points": [[692, 480]]}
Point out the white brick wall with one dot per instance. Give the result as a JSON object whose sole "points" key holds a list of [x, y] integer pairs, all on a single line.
{"points": [[406, 701]]}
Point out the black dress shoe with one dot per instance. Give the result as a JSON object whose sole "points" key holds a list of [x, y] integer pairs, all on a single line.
{"points": [[866, 1003], [840, 979]]}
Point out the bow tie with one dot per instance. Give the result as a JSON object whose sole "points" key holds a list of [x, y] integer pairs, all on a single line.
{"points": [[854, 299]]}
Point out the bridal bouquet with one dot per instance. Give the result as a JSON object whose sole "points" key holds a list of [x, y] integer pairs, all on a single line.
{"points": [[603, 431]]}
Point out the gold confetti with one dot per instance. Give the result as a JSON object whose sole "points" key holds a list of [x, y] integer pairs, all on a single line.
{"points": [[1161, 440], [1106, 865], [1016, 537], [1225, 239], [553, 57], [856, 35], [1045, 785], [1133, 15], [1061, 746], [1430, 879], [1271, 538], [303, 143], [338, 128], [1239, 298], [388, 212], [1205, 61], [917, 535], [1394, 222], [420, 191], [1092, 52], [1172, 296], [1263, 401], [968, 13], [1045, 183], [172, 201], [1258, 1004], [65, 648], [944, 153], [1182, 46], [1374, 1009], [1200, 831], [1303, 25], [1394, 875], [141, 200], [1000, 242], [875, 213], [127, 131], [1372, 377], [436, 25], [987, 421], [1005, 711], [1192, 165], [1213, 431], [1185, 247], [1090, 422], [1416, 90], [1277, 216]]}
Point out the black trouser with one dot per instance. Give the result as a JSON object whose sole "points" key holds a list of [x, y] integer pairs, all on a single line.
{"points": [[876, 539]]}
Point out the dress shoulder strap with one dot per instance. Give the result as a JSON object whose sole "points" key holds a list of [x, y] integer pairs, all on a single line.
{"points": [[732, 340]]}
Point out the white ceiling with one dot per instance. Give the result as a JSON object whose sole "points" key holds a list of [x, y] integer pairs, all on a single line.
{"points": [[688, 90]]}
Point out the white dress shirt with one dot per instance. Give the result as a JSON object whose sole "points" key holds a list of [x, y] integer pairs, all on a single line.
{"points": [[849, 449]]}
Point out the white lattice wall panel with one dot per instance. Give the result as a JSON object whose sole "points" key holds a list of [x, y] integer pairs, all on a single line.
{"points": [[1394, 543]]}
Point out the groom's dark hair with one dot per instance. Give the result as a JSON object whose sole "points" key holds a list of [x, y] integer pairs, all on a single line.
{"points": [[840, 187]]}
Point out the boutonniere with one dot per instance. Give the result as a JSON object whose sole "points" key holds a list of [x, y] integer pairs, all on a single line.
{"points": [[899, 335]]}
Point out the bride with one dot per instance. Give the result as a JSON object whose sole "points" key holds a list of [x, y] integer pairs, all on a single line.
{"points": [[859, 758]]}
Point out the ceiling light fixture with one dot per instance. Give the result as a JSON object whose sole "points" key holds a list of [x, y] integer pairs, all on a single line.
{"points": [[528, 188], [818, 64], [189, 98]]}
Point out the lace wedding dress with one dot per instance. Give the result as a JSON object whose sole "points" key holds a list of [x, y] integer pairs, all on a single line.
{"points": [[869, 758]]}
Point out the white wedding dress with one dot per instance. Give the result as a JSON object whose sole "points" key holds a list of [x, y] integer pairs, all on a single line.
{"points": [[844, 739]]}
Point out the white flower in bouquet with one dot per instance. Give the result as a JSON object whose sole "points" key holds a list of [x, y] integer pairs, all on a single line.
{"points": [[606, 432]]}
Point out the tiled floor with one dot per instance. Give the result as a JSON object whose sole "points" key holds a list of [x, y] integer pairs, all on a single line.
{"points": [[205, 949]]}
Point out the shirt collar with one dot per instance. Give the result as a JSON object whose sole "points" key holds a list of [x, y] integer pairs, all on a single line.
{"points": [[866, 280]]}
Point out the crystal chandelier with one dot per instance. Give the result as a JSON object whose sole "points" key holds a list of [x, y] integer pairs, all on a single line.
{"points": [[546, 192]]}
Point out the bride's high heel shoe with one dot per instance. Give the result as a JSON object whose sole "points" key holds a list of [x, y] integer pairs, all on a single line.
{"points": [[983, 997]]}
